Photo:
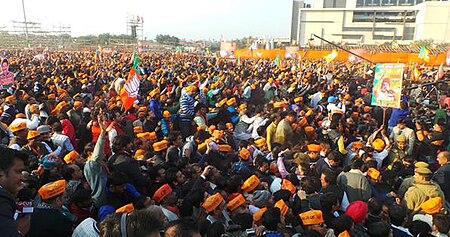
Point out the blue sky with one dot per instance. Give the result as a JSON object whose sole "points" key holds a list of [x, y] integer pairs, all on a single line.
{"points": [[189, 19]]}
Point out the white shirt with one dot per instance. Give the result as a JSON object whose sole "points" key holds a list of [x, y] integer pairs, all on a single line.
{"points": [[170, 215], [379, 157], [87, 228], [332, 107]]}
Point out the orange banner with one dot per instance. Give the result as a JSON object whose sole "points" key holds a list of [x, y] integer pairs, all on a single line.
{"points": [[407, 58]]}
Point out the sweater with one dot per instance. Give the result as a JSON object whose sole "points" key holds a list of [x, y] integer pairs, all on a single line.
{"points": [[95, 173], [355, 185], [187, 108]]}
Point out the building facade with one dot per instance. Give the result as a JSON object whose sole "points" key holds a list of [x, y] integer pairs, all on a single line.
{"points": [[357, 22]]}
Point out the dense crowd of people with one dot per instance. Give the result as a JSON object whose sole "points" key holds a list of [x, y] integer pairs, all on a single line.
{"points": [[214, 147]]}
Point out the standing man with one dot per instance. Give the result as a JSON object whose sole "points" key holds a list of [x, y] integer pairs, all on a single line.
{"points": [[442, 175], [11, 166], [284, 133], [9, 110], [187, 113], [354, 183], [271, 130], [422, 190], [49, 218], [154, 104], [401, 129]]}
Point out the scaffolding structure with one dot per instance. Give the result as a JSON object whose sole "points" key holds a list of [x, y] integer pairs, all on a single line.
{"points": [[135, 26], [33, 34]]}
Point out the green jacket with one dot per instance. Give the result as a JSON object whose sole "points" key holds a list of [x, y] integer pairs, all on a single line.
{"points": [[421, 192]]}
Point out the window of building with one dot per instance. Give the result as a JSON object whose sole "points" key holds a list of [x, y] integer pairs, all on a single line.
{"points": [[408, 33], [351, 37], [406, 2], [363, 16], [386, 37], [373, 3], [389, 2], [357, 29], [334, 3]]}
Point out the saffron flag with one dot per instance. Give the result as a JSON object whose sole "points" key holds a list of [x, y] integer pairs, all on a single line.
{"points": [[415, 74], [440, 73], [424, 54], [330, 57], [130, 90]]}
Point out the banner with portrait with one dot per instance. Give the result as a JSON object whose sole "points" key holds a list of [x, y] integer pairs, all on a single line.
{"points": [[387, 85], [291, 52], [227, 49], [355, 59], [447, 58], [6, 77]]}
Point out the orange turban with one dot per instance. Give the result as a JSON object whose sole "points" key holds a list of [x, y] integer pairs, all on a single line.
{"points": [[154, 92], [162, 193], [432, 205], [212, 202], [70, 157], [18, 127], [53, 189], [313, 217], [140, 154], [32, 134], [126, 209], [222, 102], [373, 173], [160, 146], [231, 102], [244, 154], [282, 206], [257, 217], [260, 142], [287, 185], [378, 144], [225, 148], [138, 129], [236, 202], [251, 184], [314, 147]]}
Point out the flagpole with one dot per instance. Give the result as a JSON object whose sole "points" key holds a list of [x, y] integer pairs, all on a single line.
{"points": [[348, 51], [429, 83]]}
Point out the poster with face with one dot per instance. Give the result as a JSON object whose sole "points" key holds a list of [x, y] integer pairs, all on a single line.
{"points": [[6, 77], [447, 59], [227, 49], [387, 85], [291, 52]]}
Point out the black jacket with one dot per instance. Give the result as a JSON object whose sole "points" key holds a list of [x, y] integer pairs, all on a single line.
{"points": [[48, 223], [7, 210], [442, 177], [124, 163]]}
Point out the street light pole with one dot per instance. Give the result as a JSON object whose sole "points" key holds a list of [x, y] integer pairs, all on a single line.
{"points": [[26, 24]]}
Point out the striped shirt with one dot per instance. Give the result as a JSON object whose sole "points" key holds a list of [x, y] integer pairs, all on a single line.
{"points": [[187, 107]]}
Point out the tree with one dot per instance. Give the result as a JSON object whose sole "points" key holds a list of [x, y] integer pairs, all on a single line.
{"points": [[167, 39]]}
